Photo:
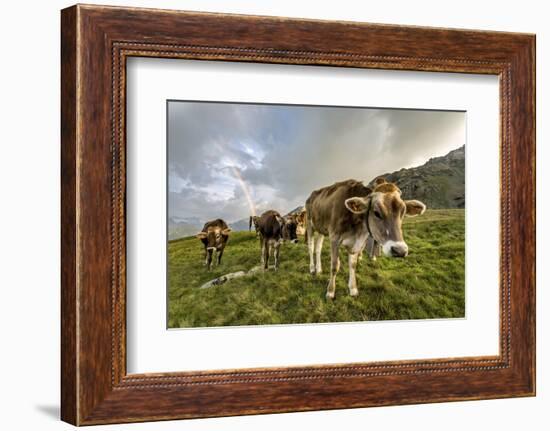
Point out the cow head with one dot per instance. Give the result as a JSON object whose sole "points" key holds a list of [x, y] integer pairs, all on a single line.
{"points": [[289, 226], [214, 237], [384, 210]]}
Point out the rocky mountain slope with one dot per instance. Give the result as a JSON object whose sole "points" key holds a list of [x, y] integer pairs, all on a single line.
{"points": [[439, 182]]}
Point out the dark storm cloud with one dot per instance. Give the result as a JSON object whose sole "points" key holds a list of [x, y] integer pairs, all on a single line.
{"points": [[282, 153]]}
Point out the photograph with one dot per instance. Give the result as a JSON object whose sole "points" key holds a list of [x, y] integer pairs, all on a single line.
{"points": [[295, 214]]}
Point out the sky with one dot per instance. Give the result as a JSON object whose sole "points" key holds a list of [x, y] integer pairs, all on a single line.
{"points": [[230, 160]]}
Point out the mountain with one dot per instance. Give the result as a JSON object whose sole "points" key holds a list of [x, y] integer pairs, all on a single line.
{"points": [[180, 227], [439, 182], [240, 225]]}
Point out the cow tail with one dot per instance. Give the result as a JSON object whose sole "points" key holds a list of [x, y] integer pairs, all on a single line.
{"points": [[250, 224]]}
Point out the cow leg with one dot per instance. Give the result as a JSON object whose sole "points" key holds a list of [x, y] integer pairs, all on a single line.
{"points": [[373, 249], [311, 249], [265, 250], [276, 253], [209, 259], [220, 253], [377, 249], [262, 247], [334, 267], [352, 283], [318, 247], [370, 247], [205, 256]]}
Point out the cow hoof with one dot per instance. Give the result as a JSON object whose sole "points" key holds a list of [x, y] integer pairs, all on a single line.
{"points": [[353, 292], [330, 295]]}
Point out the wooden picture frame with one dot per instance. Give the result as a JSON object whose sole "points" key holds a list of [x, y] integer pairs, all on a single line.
{"points": [[95, 43]]}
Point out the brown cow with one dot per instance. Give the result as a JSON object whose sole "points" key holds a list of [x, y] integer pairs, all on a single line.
{"points": [[253, 220], [274, 229], [298, 216], [214, 236], [349, 212]]}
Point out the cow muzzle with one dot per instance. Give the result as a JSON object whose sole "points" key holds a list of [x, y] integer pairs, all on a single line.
{"points": [[395, 249]]}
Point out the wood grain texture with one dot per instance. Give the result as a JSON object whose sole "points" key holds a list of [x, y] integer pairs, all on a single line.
{"points": [[69, 366], [96, 41]]}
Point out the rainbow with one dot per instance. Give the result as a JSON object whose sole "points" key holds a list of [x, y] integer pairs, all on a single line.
{"points": [[245, 190]]}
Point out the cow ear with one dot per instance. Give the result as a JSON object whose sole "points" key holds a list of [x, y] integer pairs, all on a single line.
{"points": [[201, 235], [226, 231], [357, 205], [379, 180], [414, 208]]}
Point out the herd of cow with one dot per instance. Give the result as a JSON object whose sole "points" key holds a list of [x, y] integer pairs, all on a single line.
{"points": [[352, 215]]}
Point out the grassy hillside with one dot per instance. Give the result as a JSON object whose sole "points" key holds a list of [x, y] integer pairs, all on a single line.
{"points": [[429, 283]]}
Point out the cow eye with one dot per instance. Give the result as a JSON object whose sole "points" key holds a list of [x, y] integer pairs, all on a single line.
{"points": [[377, 215]]}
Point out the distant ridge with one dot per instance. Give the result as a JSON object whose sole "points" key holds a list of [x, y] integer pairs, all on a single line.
{"points": [[439, 182]]}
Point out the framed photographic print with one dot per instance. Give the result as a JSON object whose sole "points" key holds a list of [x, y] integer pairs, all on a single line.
{"points": [[265, 215]]}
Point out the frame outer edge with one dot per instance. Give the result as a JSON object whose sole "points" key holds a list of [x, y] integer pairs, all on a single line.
{"points": [[532, 101], [533, 55], [523, 182], [69, 411]]}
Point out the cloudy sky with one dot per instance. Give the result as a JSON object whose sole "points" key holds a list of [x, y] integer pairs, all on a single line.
{"points": [[227, 160]]}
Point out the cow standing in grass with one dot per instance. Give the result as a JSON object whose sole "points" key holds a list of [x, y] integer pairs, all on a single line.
{"points": [[254, 220], [275, 229], [298, 216], [214, 236], [349, 212]]}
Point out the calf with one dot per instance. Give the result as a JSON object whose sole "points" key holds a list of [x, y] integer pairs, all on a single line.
{"points": [[274, 229], [214, 236], [349, 212]]}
